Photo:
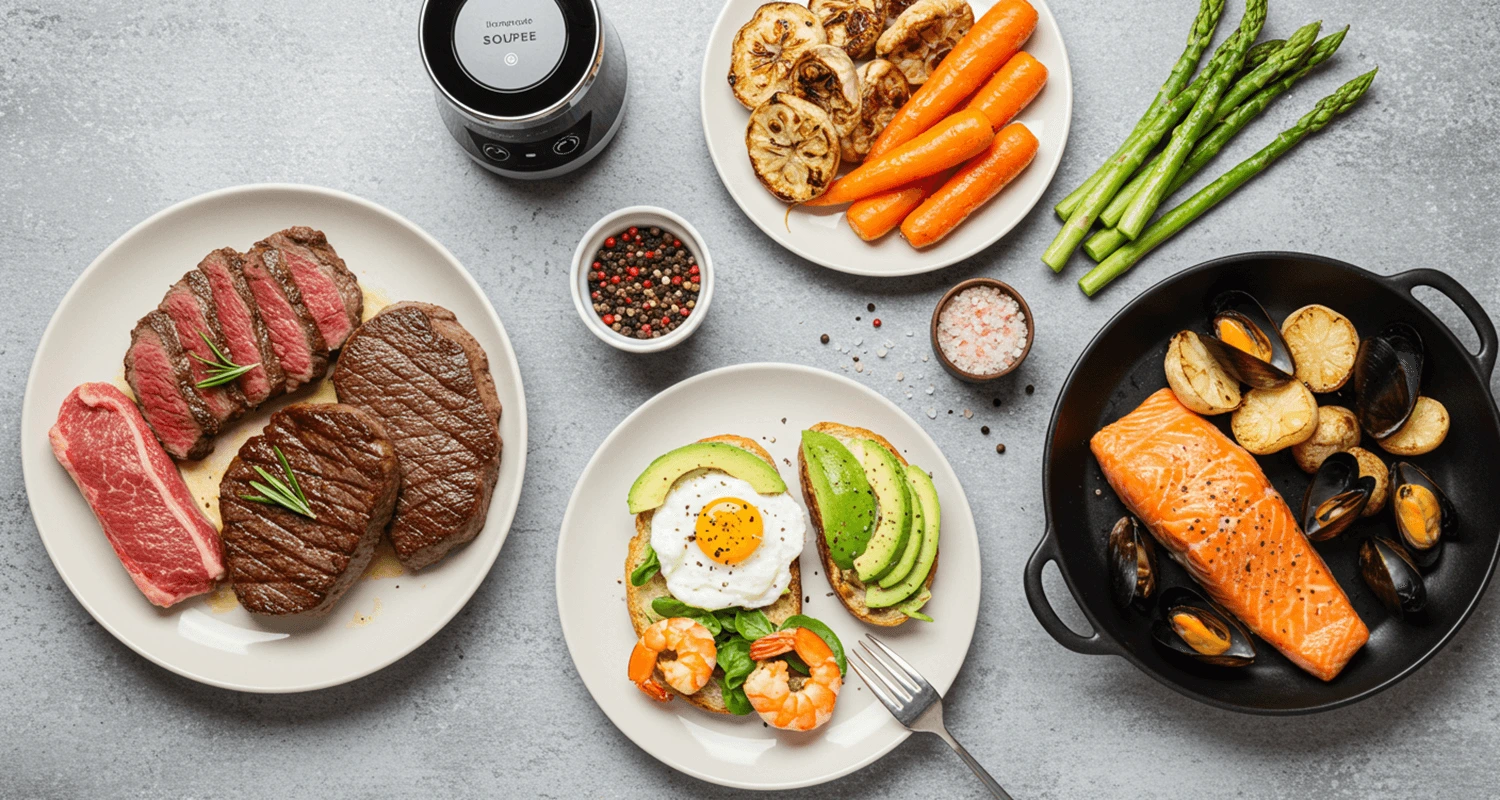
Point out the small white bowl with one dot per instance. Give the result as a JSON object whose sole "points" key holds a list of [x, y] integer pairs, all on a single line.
{"points": [[641, 217]]}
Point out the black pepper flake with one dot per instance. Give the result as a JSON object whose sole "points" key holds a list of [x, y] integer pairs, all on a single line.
{"points": [[984, 429], [1030, 389], [870, 307]]}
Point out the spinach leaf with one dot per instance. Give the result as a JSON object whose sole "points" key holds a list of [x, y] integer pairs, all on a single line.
{"points": [[796, 663], [823, 632], [734, 659], [672, 607], [753, 624], [647, 569], [726, 619], [736, 701]]}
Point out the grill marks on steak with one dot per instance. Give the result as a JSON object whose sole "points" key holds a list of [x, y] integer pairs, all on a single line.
{"points": [[284, 563], [247, 341], [190, 305], [329, 290], [160, 373], [162, 538], [295, 337], [416, 368]]}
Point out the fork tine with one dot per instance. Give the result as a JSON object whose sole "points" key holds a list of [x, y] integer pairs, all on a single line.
{"points": [[877, 685], [900, 677], [897, 684], [911, 671]]}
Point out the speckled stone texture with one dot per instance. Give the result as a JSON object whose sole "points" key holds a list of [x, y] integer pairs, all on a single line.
{"points": [[110, 111]]}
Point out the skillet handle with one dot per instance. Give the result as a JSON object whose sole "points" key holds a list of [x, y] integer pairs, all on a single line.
{"points": [[1484, 360], [1046, 550]]}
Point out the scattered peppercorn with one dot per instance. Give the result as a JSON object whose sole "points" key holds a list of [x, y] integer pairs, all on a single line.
{"points": [[876, 323], [870, 307], [857, 319], [984, 429], [1000, 448], [644, 276], [1030, 389], [997, 402], [823, 338]]}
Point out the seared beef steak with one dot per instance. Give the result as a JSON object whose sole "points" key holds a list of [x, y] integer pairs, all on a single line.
{"points": [[242, 327], [160, 373], [285, 563], [294, 334], [413, 366], [190, 305], [329, 290]]}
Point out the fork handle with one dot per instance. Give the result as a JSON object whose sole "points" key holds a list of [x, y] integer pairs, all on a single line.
{"points": [[979, 771]]}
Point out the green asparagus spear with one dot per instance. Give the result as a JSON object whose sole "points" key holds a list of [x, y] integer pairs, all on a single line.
{"points": [[1144, 204], [1101, 244], [1199, 37], [1284, 60], [1123, 165], [1211, 195]]}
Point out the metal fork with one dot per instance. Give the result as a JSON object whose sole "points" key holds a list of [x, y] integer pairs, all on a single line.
{"points": [[912, 701]]}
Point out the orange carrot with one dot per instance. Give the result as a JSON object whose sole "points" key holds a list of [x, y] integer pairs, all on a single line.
{"points": [[949, 143], [1010, 90], [971, 187], [990, 43], [874, 217]]}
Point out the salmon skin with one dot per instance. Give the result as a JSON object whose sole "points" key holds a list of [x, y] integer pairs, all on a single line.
{"points": [[1207, 502]]}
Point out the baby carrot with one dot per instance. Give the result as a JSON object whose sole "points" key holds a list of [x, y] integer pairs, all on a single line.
{"points": [[875, 216], [1010, 90], [995, 37], [949, 143], [971, 187]]}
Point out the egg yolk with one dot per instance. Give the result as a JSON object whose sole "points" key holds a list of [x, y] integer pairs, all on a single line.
{"points": [[728, 530]]}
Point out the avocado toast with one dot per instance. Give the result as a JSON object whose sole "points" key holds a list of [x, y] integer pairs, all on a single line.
{"points": [[876, 519]]}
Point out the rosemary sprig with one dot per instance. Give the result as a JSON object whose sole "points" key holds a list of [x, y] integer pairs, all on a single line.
{"points": [[275, 492], [221, 370]]}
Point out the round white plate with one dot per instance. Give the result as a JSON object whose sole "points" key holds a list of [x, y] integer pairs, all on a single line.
{"points": [[753, 400], [211, 639], [820, 235]]}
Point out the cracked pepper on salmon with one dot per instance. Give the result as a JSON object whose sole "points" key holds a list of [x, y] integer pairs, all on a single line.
{"points": [[1207, 502]]}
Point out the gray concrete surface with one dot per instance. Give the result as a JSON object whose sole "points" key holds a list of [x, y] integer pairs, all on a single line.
{"points": [[110, 111]]}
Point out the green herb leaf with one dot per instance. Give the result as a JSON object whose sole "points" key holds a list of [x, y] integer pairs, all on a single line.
{"points": [[753, 624], [672, 607], [647, 568], [735, 700], [734, 659], [220, 370], [278, 493], [796, 663], [824, 632]]}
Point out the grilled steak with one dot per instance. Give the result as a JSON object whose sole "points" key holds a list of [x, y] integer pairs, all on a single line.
{"points": [[190, 305], [285, 563], [169, 548], [244, 332], [295, 337], [416, 368], [329, 290], [161, 375]]}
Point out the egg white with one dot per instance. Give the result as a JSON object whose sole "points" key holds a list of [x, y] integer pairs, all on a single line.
{"points": [[698, 580]]}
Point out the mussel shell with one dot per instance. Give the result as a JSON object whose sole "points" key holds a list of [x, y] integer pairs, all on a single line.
{"points": [[1388, 378], [1244, 309], [1410, 350], [1407, 474], [1132, 564], [1241, 648], [1335, 497], [1392, 574]]}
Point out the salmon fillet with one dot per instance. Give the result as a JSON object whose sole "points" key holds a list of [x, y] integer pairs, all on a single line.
{"points": [[1207, 502]]}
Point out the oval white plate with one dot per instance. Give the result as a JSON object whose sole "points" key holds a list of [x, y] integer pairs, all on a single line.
{"points": [[221, 644], [752, 400], [821, 236]]}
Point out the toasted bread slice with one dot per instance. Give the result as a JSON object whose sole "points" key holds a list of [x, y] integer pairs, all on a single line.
{"points": [[846, 583], [638, 598]]}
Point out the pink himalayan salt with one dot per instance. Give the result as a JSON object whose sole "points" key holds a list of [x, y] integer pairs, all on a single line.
{"points": [[982, 330]]}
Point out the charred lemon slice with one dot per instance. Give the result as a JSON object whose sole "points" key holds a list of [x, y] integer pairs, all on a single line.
{"points": [[1323, 344], [825, 77], [851, 25], [1197, 379], [793, 146], [923, 35], [1270, 420], [767, 47], [883, 90]]}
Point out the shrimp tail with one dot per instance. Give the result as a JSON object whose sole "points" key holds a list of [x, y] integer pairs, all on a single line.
{"points": [[773, 645], [655, 691]]}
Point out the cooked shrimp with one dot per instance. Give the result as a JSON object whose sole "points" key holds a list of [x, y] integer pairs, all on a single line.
{"points": [[688, 672], [769, 686]]}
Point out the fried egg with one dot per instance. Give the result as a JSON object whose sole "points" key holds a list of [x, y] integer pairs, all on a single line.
{"points": [[722, 544]]}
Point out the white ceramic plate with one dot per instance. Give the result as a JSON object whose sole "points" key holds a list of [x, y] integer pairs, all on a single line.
{"points": [[211, 639], [820, 235], [752, 400]]}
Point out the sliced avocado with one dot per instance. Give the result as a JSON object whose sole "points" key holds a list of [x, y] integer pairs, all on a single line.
{"points": [[845, 501], [925, 493], [912, 606], [650, 489], [888, 481], [908, 557]]}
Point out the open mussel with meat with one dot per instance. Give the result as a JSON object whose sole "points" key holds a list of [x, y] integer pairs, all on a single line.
{"points": [[1392, 575], [1132, 564], [1336, 497], [1424, 516], [1247, 343], [1192, 626], [1388, 378]]}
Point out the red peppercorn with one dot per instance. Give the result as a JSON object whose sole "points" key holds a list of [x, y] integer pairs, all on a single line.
{"points": [[645, 284], [633, 272], [676, 280], [645, 328], [694, 270], [684, 312], [596, 295], [634, 230], [666, 320], [614, 279], [610, 242], [609, 319], [877, 323], [597, 265], [676, 242]]}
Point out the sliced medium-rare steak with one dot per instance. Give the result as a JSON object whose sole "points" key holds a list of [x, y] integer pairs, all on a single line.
{"points": [[342, 458], [329, 290], [416, 368], [190, 305], [294, 334], [160, 373], [170, 549], [245, 333]]}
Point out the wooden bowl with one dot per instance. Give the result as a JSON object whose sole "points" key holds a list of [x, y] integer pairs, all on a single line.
{"points": [[1004, 289]]}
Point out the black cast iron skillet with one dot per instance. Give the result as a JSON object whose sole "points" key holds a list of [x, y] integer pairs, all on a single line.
{"points": [[1123, 365]]}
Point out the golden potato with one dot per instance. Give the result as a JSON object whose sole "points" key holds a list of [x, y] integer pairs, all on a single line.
{"points": [[1372, 465], [1323, 343], [1197, 379], [1424, 430], [1270, 420], [1338, 430]]}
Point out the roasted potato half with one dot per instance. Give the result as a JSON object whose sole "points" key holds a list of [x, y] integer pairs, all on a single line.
{"points": [[1338, 430], [852, 25], [1424, 430], [1373, 466], [922, 36], [1323, 344], [1197, 379], [1270, 420]]}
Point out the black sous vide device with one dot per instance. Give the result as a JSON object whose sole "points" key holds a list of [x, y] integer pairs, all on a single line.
{"points": [[530, 89]]}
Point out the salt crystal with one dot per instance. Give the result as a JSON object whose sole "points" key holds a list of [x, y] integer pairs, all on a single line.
{"points": [[858, 342], [900, 376], [982, 330], [931, 412], [924, 357], [881, 352], [968, 414], [908, 394], [859, 367], [931, 388], [909, 333]]}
